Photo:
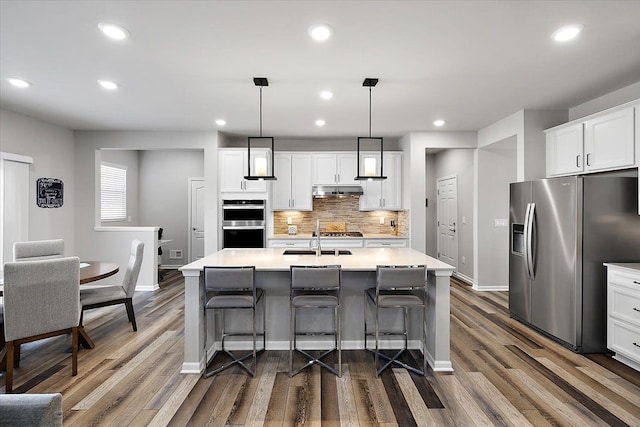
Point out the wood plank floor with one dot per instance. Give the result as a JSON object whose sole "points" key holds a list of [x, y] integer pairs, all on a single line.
{"points": [[505, 374]]}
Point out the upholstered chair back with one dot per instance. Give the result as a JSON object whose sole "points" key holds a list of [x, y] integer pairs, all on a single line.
{"points": [[133, 268], [41, 296], [38, 250]]}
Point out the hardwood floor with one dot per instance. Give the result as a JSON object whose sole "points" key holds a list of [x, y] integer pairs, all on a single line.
{"points": [[505, 374]]}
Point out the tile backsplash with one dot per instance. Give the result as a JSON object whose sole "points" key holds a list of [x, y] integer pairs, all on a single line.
{"points": [[342, 210]]}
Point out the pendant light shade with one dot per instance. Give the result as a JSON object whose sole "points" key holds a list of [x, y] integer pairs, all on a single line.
{"points": [[370, 163], [260, 163]]}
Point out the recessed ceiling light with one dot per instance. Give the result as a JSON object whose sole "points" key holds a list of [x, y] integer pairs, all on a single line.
{"points": [[18, 82], [567, 33], [320, 123], [320, 32], [109, 85], [221, 122], [113, 31], [438, 122], [326, 94]]}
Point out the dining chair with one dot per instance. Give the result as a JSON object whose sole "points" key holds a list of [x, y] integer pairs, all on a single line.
{"points": [[41, 300], [398, 287], [315, 287], [234, 288], [38, 250], [106, 295]]}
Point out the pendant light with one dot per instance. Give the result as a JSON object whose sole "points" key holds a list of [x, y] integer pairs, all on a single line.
{"points": [[263, 170], [368, 169]]}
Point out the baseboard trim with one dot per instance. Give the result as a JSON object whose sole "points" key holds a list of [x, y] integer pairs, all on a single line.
{"points": [[490, 288], [464, 278]]}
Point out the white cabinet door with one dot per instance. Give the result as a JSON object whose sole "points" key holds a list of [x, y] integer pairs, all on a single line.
{"points": [[609, 141], [331, 168], [384, 194], [392, 186], [301, 199], [233, 168], [346, 168], [385, 243], [281, 188], [324, 168], [565, 150]]}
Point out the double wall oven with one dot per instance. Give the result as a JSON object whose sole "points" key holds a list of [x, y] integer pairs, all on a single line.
{"points": [[243, 224]]}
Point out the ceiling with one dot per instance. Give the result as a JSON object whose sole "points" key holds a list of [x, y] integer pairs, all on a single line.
{"points": [[188, 63]]}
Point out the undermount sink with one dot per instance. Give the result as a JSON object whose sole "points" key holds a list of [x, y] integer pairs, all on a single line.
{"points": [[312, 252]]}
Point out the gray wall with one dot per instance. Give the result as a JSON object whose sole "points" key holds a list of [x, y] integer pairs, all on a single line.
{"points": [[164, 195], [52, 150], [459, 162], [620, 96]]}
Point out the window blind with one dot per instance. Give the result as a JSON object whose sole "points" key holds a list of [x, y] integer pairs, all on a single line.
{"points": [[113, 192]]}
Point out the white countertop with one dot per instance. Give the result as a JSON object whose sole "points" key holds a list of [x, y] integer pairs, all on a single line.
{"points": [[633, 266], [363, 259]]}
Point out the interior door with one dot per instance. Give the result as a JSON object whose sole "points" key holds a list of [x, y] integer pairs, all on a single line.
{"points": [[14, 204], [447, 220], [196, 219]]}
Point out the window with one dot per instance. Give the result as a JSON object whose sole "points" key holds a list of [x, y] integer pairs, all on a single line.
{"points": [[113, 192]]}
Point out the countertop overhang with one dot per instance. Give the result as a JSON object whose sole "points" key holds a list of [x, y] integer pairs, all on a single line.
{"points": [[362, 259]]}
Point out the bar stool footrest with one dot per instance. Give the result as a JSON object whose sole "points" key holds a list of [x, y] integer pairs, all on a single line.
{"points": [[311, 360]]}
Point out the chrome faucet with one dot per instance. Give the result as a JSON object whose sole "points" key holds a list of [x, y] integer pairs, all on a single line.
{"points": [[318, 248]]}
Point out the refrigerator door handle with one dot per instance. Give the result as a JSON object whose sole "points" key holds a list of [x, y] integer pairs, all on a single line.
{"points": [[526, 228], [529, 245]]}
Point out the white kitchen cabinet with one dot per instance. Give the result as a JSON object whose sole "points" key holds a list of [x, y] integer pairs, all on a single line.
{"points": [[383, 194], [289, 243], [332, 168], [565, 150], [292, 190], [385, 243], [623, 312], [233, 168], [609, 141], [333, 243], [600, 142]]}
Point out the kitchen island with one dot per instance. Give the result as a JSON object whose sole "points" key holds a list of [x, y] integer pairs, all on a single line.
{"points": [[358, 274]]}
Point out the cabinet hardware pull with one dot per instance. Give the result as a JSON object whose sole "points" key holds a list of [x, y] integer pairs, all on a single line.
{"points": [[293, 203], [635, 309], [588, 159], [578, 161], [636, 282], [636, 344]]}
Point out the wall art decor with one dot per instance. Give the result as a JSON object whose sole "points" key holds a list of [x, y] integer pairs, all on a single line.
{"points": [[49, 192]]}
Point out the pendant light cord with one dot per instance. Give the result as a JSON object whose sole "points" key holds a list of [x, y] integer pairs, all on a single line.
{"points": [[369, 111], [261, 111]]}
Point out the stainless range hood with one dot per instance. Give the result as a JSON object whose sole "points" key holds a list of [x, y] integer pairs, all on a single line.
{"points": [[320, 191]]}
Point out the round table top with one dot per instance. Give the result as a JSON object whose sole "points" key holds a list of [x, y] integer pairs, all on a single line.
{"points": [[96, 270]]}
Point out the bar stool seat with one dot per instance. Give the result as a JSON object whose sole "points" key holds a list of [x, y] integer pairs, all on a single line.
{"points": [[315, 287], [233, 288], [397, 287]]}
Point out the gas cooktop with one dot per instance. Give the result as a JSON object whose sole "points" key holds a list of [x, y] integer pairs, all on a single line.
{"points": [[338, 234]]}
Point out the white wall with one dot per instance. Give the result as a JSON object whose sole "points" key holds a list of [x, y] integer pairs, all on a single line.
{"points": [[128, 159], [414, 146], [52, 150], [164, 195], [459, 162], [612, 99], [88, 154]]}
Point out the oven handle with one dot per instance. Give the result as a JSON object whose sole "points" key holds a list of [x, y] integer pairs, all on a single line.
{"points": [[253, 207], [243, 227]]}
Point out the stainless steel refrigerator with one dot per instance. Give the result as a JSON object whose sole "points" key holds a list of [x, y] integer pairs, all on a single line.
{"points": [[562, 230]]}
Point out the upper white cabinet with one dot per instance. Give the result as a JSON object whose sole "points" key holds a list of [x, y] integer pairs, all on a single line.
{"points": [[609, 141], [384, 194], [332, 168], [233, 168], [565, 150], [596, 143], [292, 189]]}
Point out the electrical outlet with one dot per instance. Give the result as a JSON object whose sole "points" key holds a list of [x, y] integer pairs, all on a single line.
{"points": [[289, 221], [381, 220], [175, 254], [464, 219], [464, 260]]}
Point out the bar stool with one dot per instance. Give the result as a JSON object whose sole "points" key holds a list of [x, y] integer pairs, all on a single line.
{"points": [[234, 288], [315, 287], [397, 287]]}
